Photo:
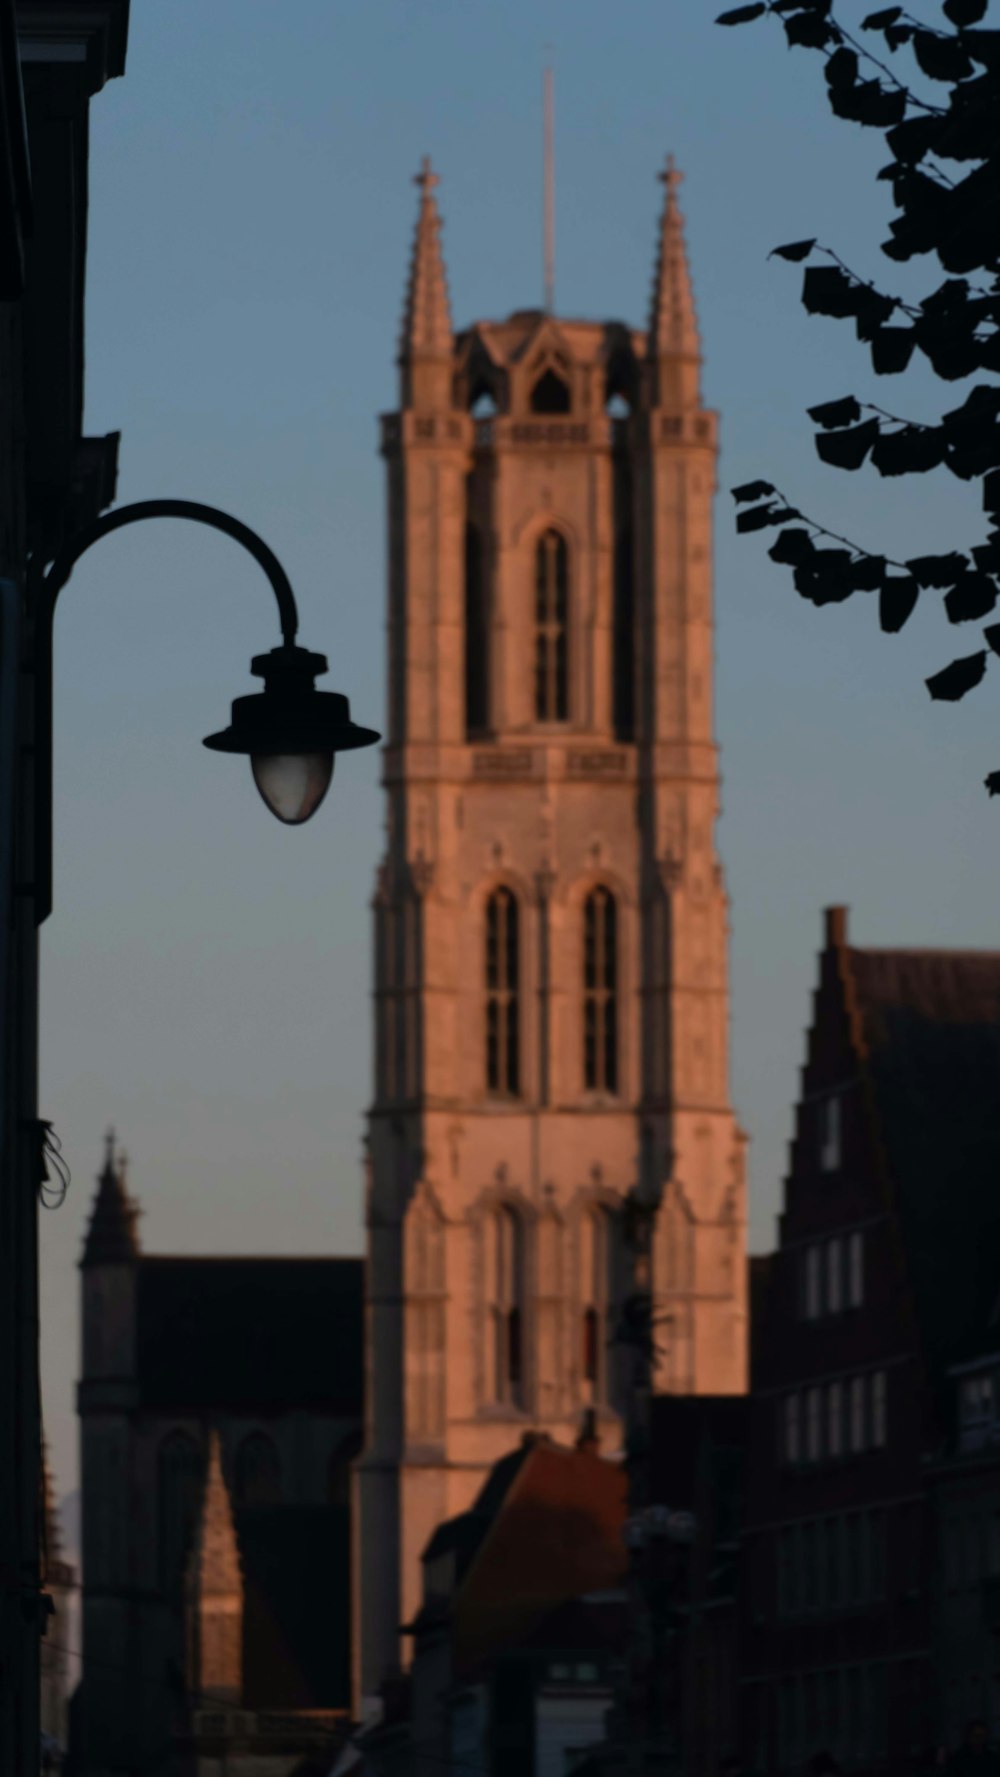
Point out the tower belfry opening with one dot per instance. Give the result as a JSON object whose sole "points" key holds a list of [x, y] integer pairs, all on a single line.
{"points": [[551, 991]]}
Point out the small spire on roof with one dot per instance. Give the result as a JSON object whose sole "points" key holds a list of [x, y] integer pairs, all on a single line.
{"points": [[426, 312], [673, 325], [111, 1236]]}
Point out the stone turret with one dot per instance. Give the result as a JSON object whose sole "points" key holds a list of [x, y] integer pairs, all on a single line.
{"points": [[214, 1592], [425, 346], [673, 349], [112, 1237]]}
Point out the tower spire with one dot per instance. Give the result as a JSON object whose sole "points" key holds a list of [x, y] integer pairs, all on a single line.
{"points": [[111, 1235], [673, 326], [426, 312]]}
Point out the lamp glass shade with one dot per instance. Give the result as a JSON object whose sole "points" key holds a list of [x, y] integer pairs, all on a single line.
{"points": [[292, 784]]}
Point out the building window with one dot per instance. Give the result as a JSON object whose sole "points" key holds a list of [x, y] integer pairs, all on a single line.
{"points": [[835, 1419], [503, 1069], [879, 1409], [829, 1133], [857, 1409], [813, 1293], [551, 603], [475, 633], [550, 394], [792, 1446], [856, 1269], [814, 1424], [600, 992], [597, 1273], [507, 1308], [257, 1472], [834, 1276]]}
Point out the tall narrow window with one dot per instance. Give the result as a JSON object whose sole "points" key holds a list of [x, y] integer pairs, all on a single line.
{"points": [[598, 1290], [856, 1269], [551, 598], [503, 1069], [600, 992], [506, 1261], [475, 633]]}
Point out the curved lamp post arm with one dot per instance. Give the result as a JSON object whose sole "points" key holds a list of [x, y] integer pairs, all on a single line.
{"points": [[59, 572], [47, 587]]}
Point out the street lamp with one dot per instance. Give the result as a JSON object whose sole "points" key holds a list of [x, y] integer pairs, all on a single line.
{"points": [[290, 731]]}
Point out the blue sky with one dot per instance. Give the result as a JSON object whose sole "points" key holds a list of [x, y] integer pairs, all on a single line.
{"points": [[205, 972]]}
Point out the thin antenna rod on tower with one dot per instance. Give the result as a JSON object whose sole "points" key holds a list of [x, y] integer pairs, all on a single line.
{"points": [[549, 223]]}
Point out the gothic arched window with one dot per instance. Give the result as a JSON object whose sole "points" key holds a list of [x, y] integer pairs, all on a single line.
{"points": [[503, 1069], [181, 1478], [551, 627], [600, 992], [550, 394], [475, 633], [257, 1472], [598, 1283], [505, 1282]]}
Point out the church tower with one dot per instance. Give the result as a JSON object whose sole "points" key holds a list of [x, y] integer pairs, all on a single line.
{"points": [[551, 918]]}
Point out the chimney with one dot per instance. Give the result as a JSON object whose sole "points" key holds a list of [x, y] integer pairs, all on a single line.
{"points": [[835, 920]]}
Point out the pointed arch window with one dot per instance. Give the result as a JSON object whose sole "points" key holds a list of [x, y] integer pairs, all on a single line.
{"points": [[503, 1060], [257, 1472], [551, 638], [550, 394], [600, 991], [181, 1477], [506, 1312]]}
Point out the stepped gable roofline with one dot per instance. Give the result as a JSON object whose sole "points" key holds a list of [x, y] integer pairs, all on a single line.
{"points": [[256, 1335], [925, 1028], [112, 1236]]}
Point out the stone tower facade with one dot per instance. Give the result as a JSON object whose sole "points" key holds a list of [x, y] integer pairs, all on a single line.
{"points": [[551, 918]]}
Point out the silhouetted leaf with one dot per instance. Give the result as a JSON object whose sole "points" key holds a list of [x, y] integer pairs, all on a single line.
{"points": [[791, 547], [741, 15], [896, 601], [992, 635], [937, 570], [759, 516], [987, 556], [910, 451], [871, 310], [810, 31], [847, 450], [963, 12], [868, 573], [826, 290], [836, 413], [975, 595], [911, 139], [795, 250], [752, 490], [941, 58], [781, 6], [892, 349], [842, 67], [992, 783], [825, 579], [991, 491], [877, 21], [953, 681], [869, 102]]}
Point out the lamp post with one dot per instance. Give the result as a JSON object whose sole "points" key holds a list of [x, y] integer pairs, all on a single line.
{"points": [[291, 732]]}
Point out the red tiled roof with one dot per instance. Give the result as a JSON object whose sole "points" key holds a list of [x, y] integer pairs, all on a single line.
{"points": [[555, 1534]]}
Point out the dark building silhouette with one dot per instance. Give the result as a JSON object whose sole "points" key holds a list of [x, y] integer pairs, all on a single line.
{"points": [[54, 58], [220, 1408], [884, 1271]]}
